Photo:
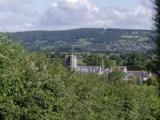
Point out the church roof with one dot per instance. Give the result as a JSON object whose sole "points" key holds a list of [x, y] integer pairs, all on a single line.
{"points": [[90, 69]]}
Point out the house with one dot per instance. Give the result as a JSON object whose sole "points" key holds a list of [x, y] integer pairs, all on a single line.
{"points": [[130, 74], [141, 75]]}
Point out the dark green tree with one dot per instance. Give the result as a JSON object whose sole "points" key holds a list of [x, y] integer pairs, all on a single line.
{"points": [[137, 61], [92, 59], [157, 26], [95, 59]]}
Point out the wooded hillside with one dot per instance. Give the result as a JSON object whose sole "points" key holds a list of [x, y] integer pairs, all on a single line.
{"points": [[89, 39]]}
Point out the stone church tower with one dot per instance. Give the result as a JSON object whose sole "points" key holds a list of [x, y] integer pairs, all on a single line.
{"points": [[71, 61], [73, 64]]}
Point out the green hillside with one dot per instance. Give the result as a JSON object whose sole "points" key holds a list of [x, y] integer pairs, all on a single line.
{"points": [[88, 39]]}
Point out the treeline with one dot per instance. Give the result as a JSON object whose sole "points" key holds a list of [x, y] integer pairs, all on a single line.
{"points": [[133, 61], [136, 61], [36, 87]]}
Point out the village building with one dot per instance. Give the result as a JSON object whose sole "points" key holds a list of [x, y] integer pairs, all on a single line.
{"points": [[141, 75], [71, 62]]}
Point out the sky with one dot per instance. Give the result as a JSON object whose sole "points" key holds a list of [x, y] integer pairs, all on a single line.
{"points": [[26, 15]]}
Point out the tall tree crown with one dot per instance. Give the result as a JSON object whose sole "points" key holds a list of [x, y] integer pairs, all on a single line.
{"points": [[157, 26]]}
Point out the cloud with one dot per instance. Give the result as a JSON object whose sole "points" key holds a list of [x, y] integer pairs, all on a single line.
{"points": [[14, 6], [18, 15], [72, 13], [15, 15], [140, 18], [84, 13]]}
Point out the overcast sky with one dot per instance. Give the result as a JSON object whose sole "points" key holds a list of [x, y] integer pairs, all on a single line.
{"points": [[22, 15]]}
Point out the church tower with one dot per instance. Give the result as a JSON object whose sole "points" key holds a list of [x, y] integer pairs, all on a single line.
{"points": [[71, 61]]}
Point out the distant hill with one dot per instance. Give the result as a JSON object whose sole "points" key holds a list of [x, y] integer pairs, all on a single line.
{"points": [[88, 39]]}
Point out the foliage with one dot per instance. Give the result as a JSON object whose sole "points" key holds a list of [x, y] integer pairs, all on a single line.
{"points": [[157, 24], [115, 76], [97, 60], [135, 61], [35, 87], [93, 59]]}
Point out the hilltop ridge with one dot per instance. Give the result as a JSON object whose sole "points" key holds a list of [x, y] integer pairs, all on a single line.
{"points": [[89, 39]]}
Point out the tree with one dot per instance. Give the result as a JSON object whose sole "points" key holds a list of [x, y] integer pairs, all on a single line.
{"points": [[92, 59], [95, 59], [108, 63], [137, 61], [157, 25], [115, 76]]}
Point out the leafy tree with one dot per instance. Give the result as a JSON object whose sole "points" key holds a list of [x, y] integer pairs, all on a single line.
{"points": [[108, 63], [95, 59], [137, 61], [116, 75], [157, 24], [92, 59]]}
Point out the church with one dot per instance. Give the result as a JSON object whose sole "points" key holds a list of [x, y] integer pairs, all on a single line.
{"points": [[71, 62]]}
